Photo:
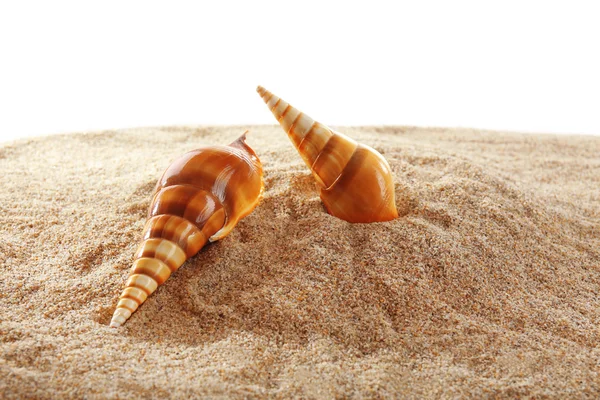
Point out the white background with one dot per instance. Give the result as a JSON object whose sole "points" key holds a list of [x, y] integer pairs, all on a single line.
{"points": [[512, 65]]}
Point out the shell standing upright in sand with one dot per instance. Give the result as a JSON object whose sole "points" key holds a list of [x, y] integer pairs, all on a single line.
{"points": [[355, 180], [200, 197]]}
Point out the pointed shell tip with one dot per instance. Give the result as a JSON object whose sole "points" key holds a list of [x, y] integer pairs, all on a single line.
{"points": [[241, 141], [117, 321]]}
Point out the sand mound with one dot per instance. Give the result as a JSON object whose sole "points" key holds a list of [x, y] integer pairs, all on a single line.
{"points": [[487, 285]]}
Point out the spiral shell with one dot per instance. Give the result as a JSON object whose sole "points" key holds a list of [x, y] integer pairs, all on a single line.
{"points": [[355, 180], [200, 198]]}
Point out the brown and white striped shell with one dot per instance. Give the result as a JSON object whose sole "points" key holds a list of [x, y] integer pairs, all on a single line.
{"points": [[356, 182], [200, 198]]}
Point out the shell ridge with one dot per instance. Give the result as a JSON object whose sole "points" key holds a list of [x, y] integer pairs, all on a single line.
{"points": [[275, 106], [291, 131], [187, 201], [343, 170], [285, 111], [165, 226], [326, 160], [312, 127]]}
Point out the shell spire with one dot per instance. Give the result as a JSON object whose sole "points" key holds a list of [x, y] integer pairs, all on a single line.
{"points": [[200, 198], [355, 180]]}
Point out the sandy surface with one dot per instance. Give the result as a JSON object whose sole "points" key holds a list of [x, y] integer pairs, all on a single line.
{"points": [[487, 285]]}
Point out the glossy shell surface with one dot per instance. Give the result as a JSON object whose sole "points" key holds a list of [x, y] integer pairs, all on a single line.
{"points": [[355, 181], [200, 197]]}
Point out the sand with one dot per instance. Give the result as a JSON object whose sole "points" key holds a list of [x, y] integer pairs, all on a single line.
{"points": [[486, 286]]}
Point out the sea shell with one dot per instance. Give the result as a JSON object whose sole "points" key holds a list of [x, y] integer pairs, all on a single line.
{"points": [[200, 198], [355, 180]]}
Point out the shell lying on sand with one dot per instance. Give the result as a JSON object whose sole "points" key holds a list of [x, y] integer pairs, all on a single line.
{"points": [[200, 198]]}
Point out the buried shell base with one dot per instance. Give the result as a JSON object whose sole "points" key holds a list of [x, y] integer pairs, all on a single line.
{"points": [[355, 181]]}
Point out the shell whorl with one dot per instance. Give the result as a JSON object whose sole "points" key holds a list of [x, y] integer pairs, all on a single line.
{"points": [[199, 198], [355, 181]]}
